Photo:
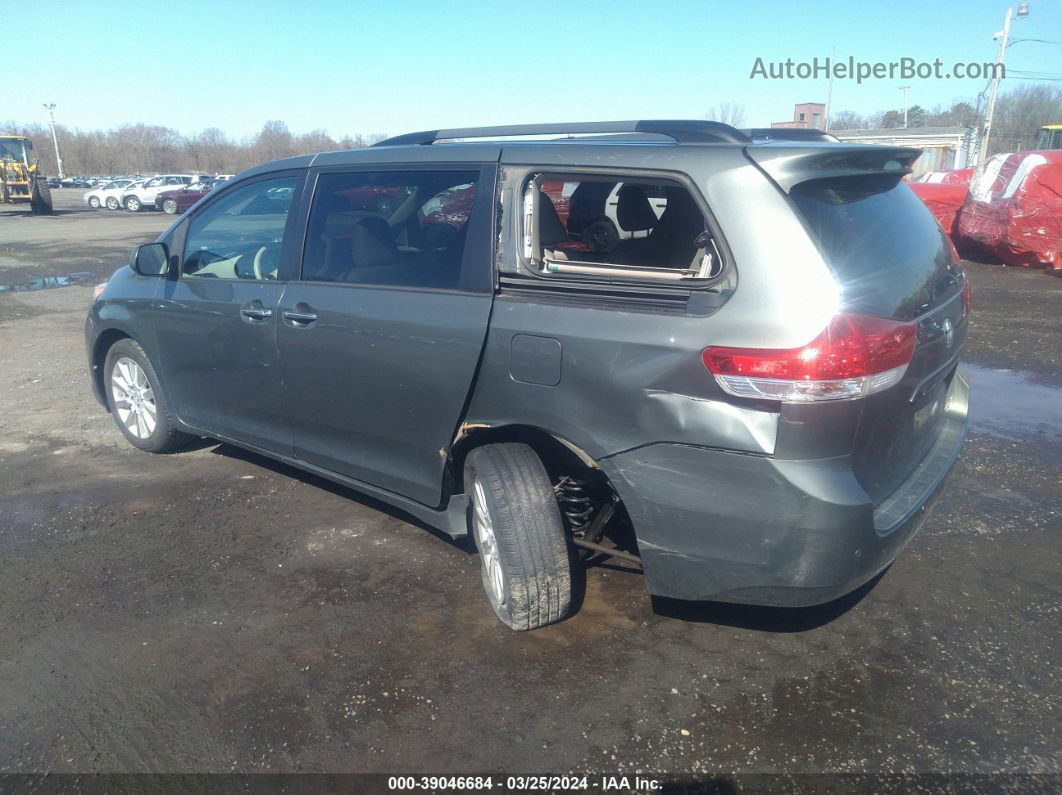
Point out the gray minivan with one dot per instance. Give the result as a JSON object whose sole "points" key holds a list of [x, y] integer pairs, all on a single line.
{"points": [[755, 373]]}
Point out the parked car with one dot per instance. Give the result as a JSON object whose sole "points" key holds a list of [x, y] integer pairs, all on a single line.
{"points": [[762, 387], [137, 198], [107, 195], [176, 201], [223, 177]]}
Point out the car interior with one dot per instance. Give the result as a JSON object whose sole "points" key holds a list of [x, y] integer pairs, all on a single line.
{"points": [[605, 227], [239, 237], [397, 228]]}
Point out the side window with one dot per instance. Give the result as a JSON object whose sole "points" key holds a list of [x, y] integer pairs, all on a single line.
{"points": [[403, 228], [239, 236], [616, 226], [177, 180], [153, 183]]}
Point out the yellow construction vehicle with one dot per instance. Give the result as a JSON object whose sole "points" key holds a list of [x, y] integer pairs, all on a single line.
{"points": [[21, 182], [1050, 137]]}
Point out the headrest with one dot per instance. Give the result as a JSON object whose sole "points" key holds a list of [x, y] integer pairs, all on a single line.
{"points": [[550, 229], [633, 210], [371, 244], [680, 205]]}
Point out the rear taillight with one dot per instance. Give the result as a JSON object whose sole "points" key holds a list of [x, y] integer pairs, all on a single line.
{"points": [[967, 292], [855, 356]]}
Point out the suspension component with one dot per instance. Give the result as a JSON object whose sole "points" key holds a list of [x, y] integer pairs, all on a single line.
{"points": [[587, 505], [577, 503]]}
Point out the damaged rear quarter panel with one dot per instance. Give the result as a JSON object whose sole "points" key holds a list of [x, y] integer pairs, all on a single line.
{"points": [[627, 379]]}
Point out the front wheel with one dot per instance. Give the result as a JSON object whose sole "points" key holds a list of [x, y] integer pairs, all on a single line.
{"points": [[94, 202], [517, 528], [41, 197], [136, 402], [132, 204], [169, 207], [113, 203]]}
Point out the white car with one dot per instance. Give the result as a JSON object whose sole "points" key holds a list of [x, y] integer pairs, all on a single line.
{"points": [[138, 197], [223, 177], [108, 194]]}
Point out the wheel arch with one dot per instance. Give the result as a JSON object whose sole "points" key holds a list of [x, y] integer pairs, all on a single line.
{"points": [[558, 454], [102, 344]]}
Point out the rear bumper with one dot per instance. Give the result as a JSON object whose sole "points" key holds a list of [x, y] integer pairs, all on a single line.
{"points": [[717, 525]]}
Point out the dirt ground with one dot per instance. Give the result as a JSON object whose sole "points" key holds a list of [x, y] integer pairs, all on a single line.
{"points": [[214, 611]]}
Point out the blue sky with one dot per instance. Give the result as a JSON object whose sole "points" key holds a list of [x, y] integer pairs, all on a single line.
{"points": [[350, 66]]}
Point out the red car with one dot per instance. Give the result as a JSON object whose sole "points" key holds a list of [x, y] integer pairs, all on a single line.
{"points": [[176, 201]]}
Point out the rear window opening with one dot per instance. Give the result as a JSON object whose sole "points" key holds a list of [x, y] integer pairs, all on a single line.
{"points": [[609, 226]]}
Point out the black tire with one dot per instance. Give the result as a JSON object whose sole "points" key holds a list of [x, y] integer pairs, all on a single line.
{"points": [[133, 204], [169, 206], [164, 437], [41, 197], [94, 202], [530, 548], [113, 203]]}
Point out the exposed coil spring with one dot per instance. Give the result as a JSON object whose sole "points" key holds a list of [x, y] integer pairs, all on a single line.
{"points": [[577, 502]]}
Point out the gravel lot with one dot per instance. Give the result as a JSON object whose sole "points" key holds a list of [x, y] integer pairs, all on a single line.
{"points": [[215, 611]]}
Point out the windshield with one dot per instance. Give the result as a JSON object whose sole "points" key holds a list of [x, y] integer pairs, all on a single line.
{"points": [[1050, 138], [884, 246], [15, 150]]}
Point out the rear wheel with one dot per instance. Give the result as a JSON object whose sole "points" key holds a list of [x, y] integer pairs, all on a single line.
{"points": [[113, 203], [94, 202], [136, 402], [132, 204], [517, 528], [169, 207], [41, 198]]}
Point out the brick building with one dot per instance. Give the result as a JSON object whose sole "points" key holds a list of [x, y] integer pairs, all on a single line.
{"points": [[807, 116]]}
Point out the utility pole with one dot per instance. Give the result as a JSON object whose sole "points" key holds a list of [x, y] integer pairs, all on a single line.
{"points": [[829, 92], [905, 89], [1023, 11], [51, 120]]}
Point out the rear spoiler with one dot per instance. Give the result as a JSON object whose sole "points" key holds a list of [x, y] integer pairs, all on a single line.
{"points": [[793, 164]]}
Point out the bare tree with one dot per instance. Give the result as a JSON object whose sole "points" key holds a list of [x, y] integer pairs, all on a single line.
{"points": [[274, 141], [1020, 113], [728, 113], [846, 120], [315, 141]]}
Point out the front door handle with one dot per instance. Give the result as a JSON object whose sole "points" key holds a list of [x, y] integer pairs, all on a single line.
{"points": [[256, 313]]}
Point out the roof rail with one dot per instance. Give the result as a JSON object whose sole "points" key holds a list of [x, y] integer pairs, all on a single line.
{"points": [[762, 134], [683, 131]]}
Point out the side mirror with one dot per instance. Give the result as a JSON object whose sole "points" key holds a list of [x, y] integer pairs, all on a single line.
{"points": [[151, 259]]}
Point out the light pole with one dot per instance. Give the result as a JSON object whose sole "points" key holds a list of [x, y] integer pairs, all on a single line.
{"points": [[51, 120], [905, 89], [1023, 11]]}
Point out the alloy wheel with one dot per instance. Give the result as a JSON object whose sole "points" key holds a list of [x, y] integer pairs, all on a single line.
{"points": [[134, 399], [487, 543]]}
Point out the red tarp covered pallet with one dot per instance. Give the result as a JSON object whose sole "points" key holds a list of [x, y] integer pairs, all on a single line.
{"points": [[944, 199], [955, 176], [1014, 210]]}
